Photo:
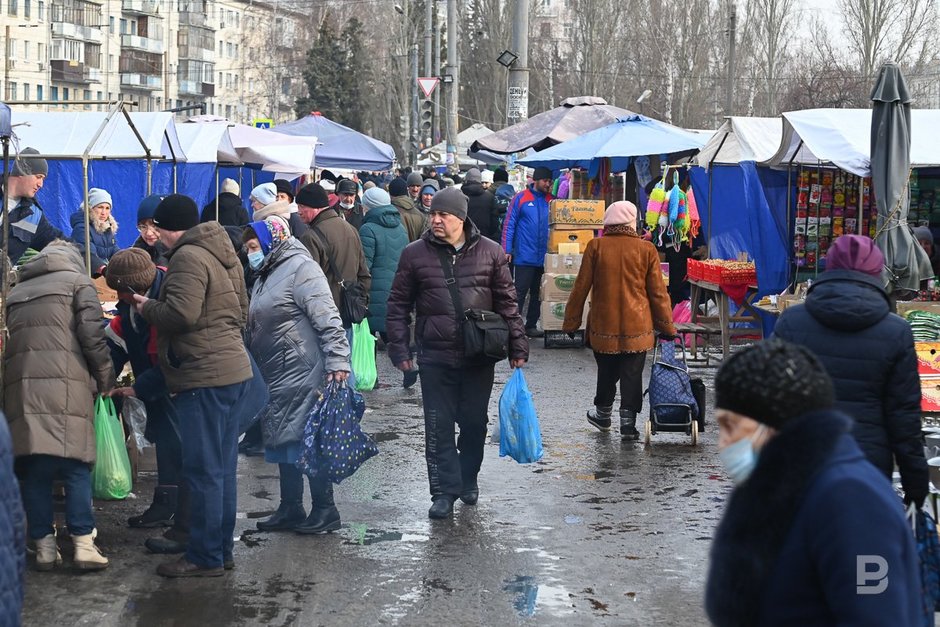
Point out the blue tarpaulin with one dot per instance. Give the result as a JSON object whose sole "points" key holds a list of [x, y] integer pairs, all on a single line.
{"points": [[630, 137], [339, 146]]}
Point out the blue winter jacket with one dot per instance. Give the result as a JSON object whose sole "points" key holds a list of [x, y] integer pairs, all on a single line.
{"points": [[104, 245], [525, 230], [787, 550], [383, 238], [869, 353]]}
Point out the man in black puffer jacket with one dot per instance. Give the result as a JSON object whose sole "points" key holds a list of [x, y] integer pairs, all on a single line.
{"points": [[480, 205], [456, 391], [869, 353]]}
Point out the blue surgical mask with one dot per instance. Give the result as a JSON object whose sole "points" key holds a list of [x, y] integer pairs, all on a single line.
{"points": [[255, 259], [740, 458]]}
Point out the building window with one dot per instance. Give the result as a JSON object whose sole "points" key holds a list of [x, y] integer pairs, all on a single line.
{"points": [[65, 93], [25, 91], [12, 8], [12, 48], [38, 92], [124, 30], [111, 24], [26, 9], [41, 10], [26, 51], [11, 89], [40, 53], [228, 111]]}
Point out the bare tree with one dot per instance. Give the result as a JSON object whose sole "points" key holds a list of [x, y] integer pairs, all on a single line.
{"points": [[769, 26], [882, 30]]}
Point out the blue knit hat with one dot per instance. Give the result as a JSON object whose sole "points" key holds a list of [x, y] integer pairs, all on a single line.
{"points": [[147, 206]]}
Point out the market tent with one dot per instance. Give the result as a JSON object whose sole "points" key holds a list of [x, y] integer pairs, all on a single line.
{"points": [[436, 154], [632, 136], [572, 118], [741, 139], [842, 137], [340, 146], [118, 160], [906, 262]]}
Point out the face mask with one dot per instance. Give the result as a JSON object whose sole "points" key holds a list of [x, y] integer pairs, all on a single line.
{"points": [[255, 259], [740, 458], [346, 205]]}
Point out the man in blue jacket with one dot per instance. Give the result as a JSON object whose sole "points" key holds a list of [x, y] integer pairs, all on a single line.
{"points": [[525, 240]]}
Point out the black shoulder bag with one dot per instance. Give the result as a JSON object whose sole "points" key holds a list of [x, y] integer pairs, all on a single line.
{"points": [[485, 333], [353, 301]]}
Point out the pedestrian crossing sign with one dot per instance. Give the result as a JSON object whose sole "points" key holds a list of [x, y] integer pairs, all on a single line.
{"points": [[262, 122]]}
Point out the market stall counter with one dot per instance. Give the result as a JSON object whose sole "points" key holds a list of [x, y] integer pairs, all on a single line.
{"points": [[722, 281]]}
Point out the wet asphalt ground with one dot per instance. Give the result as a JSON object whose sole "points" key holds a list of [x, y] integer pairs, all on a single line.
{"points": [[597, 532]]}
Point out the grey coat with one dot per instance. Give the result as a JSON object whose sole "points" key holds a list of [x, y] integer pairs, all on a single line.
{"points": [[296, 336]]}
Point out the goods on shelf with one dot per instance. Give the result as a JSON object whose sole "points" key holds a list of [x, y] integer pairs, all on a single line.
{"points": [[723, 271]]}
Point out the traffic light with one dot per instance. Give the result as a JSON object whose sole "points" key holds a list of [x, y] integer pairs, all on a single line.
{"points": [[426, 120]]}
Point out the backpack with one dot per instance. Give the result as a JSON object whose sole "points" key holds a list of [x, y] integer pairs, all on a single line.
{"points": [[501, 199]]}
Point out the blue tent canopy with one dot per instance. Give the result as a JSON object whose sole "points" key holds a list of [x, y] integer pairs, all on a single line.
{"points": [[629, 137], [339, 146]]}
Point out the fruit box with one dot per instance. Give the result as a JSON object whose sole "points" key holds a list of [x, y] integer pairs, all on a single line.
{"points": [[553, 315], [580, 236], [557, 287], [578, 213]]}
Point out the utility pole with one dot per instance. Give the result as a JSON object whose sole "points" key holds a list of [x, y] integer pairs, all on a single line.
{"points": [[6, 62], [415, 122], [517, 101], [453, 87], [436, 128], [732, 24]]}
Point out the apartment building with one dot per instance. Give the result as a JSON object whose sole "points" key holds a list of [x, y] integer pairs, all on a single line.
{"points": [[236, 58]]}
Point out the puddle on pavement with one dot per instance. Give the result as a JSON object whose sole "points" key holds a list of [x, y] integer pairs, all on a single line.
{"points": [[249, 540], [363, 536], [528, 596], [385, 436], [572, 519]]}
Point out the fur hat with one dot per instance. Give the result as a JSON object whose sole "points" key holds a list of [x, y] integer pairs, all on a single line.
{"points": [[176, 212], [26, 165], [131, 268], [773, 382]]}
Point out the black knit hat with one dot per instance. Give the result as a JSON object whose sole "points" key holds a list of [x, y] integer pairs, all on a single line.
{"points": [[773, 382], [26, 164], [176, 212], [284, 187], [541, 173], [500, 175], [131, 268], [397, 187], [313, 196]]}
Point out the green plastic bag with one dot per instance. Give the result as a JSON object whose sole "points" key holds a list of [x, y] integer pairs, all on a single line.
{"points": [[111, 476], [363, 356]]}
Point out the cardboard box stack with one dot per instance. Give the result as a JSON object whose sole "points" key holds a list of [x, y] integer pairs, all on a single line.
{"points": [[561, 270], [574, 222]]}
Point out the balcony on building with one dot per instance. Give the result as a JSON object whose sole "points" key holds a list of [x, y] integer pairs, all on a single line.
{"points": [[68, 30], [140, 7], [77, 19], [145, 34], [68, 71], [134, 42], [197, 88], [193, 18], [132, 80]]}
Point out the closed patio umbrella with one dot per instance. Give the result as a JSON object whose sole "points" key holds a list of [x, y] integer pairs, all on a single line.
{"points": [[906, 263]]}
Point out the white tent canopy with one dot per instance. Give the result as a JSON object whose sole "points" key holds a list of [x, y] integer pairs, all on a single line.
{"points": [[741, 139], [436, 154], [71, 134], [842, 137], [207, 143], [290, 155]]}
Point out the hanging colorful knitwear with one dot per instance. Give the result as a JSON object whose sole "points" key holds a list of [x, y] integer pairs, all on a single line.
{"points": [[695, 222], [654, 205]]}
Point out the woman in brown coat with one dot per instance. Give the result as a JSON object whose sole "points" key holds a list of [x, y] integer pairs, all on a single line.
{"points": [[55, 361], [628, 302]]}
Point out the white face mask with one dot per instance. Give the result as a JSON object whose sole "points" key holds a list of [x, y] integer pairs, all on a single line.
{"points": [[347, 205], [740, 458]]}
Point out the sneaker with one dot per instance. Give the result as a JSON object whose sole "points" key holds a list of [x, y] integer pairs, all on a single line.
{"points": [[534, 332]]}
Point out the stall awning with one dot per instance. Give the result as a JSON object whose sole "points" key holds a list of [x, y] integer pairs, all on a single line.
{"points": [[842, 137], [741, 139]]}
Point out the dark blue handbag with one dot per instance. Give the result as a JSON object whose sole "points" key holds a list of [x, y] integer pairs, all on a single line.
{"points": [[928, 549], [334, 445]]}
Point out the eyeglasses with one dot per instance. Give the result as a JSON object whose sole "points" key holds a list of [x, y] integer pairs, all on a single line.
{"points": [[146, 228]]}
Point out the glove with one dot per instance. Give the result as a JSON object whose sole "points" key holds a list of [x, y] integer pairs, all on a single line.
{"points": [[917, 498], [572, 334], [667, 338]]}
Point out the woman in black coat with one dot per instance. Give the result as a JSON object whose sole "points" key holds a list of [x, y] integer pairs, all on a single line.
{"points": [[869, 353]]}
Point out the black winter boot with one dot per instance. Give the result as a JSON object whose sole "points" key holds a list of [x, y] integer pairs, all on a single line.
{"points": [[628, 425], [600, 417], [290, 512], [442, 506], [324, 516], [161, 510]]}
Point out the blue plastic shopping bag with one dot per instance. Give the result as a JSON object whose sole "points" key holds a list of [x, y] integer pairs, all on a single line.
{"points": [[519, 433], [928, 549], [334, 445]]}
